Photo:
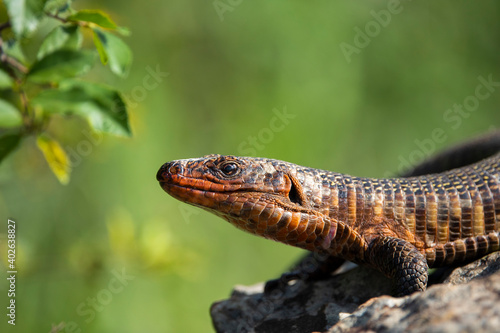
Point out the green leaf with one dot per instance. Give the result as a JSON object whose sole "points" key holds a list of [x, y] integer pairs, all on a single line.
{"points": [[9, 115], [56, 157], [62, 37], [57, 6], [5, 80], [96, 17], [13, 49], [24, 15], [8, 142], [123, 31], [66, 101], [100, 49], [103, 107], [114, 50], [60, 65]]}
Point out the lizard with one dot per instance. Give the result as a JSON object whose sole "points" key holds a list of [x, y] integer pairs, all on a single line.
{"points": [[441, 213]]}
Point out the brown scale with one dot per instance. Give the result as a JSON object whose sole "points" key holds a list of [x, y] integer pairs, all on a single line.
{"points": [[420, 218], [369, 198], [399, 204], [495, 192], [326, 197], [430, 212], [449, 253], [388, 200], [333, 211], [470, 248], [482, 245], [477, 204], [342, 236], [466, 203], [352, 244], [494, 241], [360, 204], [410, 219], [378, 205], [283, 220], [351, 202], [460, 250], [342, 202], [443, 215], [488, 206], [457, 215]]}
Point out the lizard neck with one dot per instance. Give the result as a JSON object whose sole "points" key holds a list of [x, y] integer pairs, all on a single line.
{"points": [[306, 229]]}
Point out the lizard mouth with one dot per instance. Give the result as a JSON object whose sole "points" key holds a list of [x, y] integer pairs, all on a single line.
{"points": [[214, 197]]}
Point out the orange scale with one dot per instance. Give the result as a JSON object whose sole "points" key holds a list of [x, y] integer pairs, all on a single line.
{"points": [[274, 218], [293, 225], [282, 234], [302, 237]]}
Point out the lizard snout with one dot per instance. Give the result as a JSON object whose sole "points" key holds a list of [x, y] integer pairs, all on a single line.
{"points": [[168, 169]]}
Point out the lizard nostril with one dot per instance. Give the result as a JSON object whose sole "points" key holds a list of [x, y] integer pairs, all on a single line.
{"points": [[175, 168], [168, 169]]}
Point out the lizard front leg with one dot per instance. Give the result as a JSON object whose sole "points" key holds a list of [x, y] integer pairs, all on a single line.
{"points": [[401, 262]]}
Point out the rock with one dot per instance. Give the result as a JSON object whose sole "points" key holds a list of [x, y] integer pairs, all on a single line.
{"points": [[467, 301], [476, 269]]}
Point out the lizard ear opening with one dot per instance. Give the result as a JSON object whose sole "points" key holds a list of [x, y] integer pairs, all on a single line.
{"points": [[295, 194]]}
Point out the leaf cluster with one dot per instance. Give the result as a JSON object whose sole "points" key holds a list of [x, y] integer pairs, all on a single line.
{"points": [[47, 81]]}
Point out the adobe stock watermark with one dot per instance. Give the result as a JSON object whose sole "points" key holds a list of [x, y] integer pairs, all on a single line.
{"points": [[11, 271], [363, 38], [84, 147], [453, 118], [223, 6], [254, 143], [96, 304], [150, 82], [188, 211], [137, 94]]}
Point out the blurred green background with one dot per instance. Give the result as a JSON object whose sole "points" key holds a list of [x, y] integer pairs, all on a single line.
{"points": [[228, 68]]}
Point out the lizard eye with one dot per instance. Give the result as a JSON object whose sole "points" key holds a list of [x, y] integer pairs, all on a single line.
{"points": [[230, 169]]}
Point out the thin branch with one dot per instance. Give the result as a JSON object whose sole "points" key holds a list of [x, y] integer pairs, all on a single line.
{"points": [[4, 25], [57, 17], [24, 100], [4, 57], [11, 64], [11, 61], [63, 20], [27, 119]]}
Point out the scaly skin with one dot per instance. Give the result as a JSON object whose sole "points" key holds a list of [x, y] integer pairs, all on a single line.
{"points": [[400, 226]]}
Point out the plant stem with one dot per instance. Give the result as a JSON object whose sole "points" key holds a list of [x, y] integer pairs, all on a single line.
{"points": [[12, 62], [27, 118], [57, 17], [4, 25], [63, 20]]}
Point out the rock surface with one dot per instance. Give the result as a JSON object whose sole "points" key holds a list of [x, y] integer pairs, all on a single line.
{"points": [[468, 300]]}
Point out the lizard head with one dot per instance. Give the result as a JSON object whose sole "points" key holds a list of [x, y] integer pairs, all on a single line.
{"points": [[261, 196], [215, 181]]}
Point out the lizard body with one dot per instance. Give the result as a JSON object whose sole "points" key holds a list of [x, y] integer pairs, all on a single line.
{"points": [[400, 226]]}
